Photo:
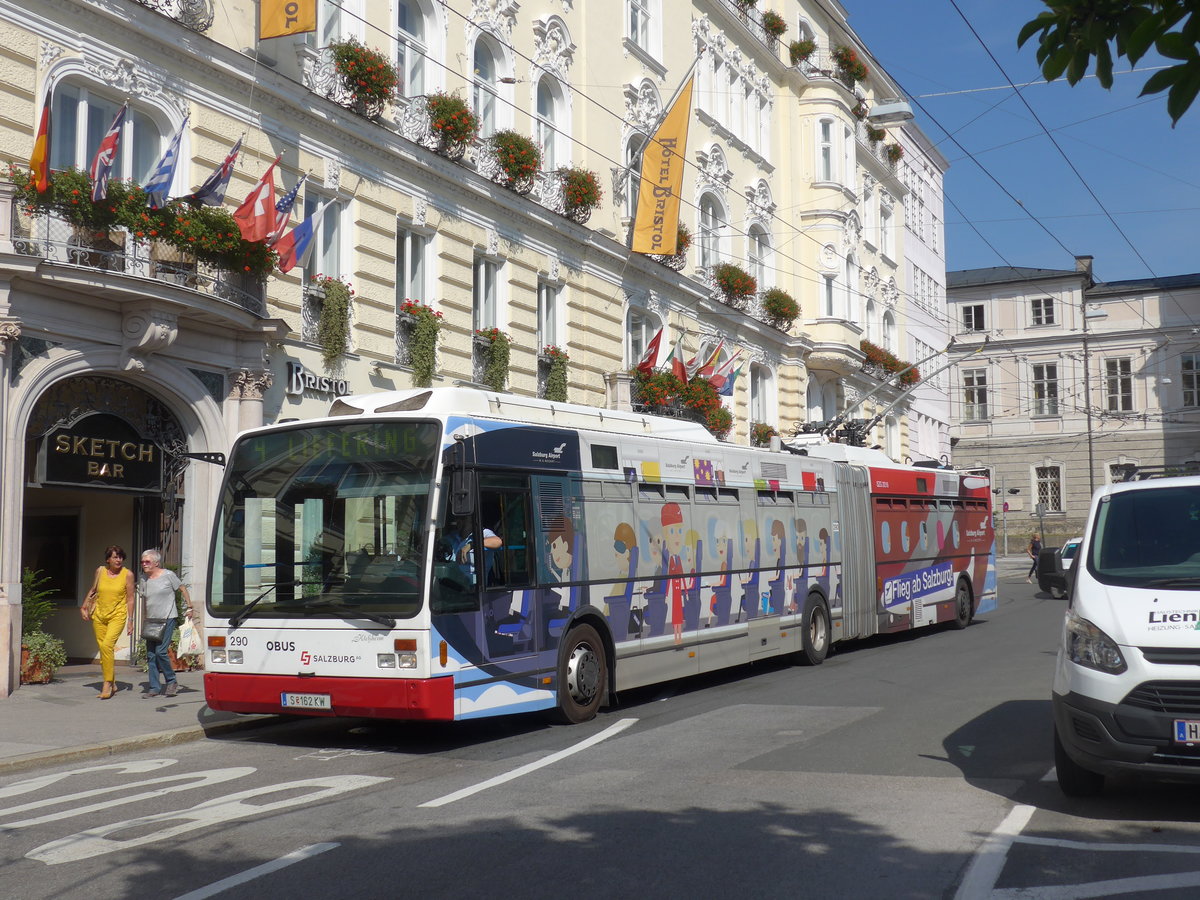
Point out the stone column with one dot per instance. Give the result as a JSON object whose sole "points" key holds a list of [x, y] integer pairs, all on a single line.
{"points": [[10, 499], [618, 388], [249, 385]]}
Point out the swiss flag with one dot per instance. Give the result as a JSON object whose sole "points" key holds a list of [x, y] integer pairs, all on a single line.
{"points": [[650, 357], [256, 216]]}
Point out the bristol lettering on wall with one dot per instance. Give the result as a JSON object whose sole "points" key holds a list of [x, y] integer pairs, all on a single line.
{"points": [[300, 379], [101, 450]]}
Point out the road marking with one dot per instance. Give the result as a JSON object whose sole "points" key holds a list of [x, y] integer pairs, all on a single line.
{"points": [[218, 887], [191, 781], [989, 861], [171, 824], [34, 784], [1108, 848], [1143, 884], [611, 731]]}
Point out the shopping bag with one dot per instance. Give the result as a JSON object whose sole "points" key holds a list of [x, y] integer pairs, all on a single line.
{"points": [[189, 640]]}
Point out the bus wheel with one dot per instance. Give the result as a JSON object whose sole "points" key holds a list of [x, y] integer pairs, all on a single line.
{"points": [[582, 675], [963, 607], [814, 632]]}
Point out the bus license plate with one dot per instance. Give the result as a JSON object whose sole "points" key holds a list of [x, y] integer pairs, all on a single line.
{"points": [[1187, 731], [317, 701]]}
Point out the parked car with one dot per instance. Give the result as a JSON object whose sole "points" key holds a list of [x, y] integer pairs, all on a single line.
{"points": [[1125, 693], [1053, 565]]}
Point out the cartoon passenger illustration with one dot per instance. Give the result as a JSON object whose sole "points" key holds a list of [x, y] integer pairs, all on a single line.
{"points": [[673, 537], [693, 553], [654, 606], [822, 560], [620, 603], [776, 586], [798, 581], [722, 589], [558, 602], [749, 578]]}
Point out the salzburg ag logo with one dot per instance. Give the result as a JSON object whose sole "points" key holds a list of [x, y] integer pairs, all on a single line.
{"points": [[305, 657]]}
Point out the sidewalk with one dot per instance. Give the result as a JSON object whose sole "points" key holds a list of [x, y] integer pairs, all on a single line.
{"points": [[49, 724]]}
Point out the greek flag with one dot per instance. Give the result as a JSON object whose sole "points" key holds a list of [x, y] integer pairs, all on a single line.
{"points": [[159, 186]]}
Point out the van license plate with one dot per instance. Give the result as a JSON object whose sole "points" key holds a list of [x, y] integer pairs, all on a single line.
{"points": [[322, 701], [1187, 731]]}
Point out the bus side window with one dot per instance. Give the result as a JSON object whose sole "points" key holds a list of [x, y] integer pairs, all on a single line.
{"points": [[505, 511]]}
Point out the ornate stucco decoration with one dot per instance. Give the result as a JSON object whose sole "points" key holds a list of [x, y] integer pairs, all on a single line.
{"points": [[760, 208], [333, 174], [49, 53], [553, 50], [871, 282], [137, 80], [250, 384], [10, 333], [492, 247], [829, 258], [891, 293], [497, 16], [420, 212], [642, 106], [851, 232], [714, 174], [145, 330]]}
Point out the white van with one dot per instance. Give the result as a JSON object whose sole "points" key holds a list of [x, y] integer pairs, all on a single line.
{"points": [[1127, 681]]}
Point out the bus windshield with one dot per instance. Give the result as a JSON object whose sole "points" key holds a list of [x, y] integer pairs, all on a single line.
{"points": [[326, 520], [1148, 538]]}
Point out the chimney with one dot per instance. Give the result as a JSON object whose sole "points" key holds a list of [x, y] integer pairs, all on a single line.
{"points": [[1083, 265]]}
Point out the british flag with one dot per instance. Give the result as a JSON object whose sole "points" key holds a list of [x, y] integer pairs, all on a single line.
{"points": [[212, 192], [106, 155]]}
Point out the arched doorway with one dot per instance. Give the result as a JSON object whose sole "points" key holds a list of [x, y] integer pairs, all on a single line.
{"points": [[104, 465]]}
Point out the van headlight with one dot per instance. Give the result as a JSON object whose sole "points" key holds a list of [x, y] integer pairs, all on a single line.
{"points": [[1088, 646]]}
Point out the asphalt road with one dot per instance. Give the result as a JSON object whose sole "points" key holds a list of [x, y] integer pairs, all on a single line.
{"points": [[901, 768]]}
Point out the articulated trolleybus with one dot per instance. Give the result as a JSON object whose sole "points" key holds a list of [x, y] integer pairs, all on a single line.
{"points": [[453, 553]]}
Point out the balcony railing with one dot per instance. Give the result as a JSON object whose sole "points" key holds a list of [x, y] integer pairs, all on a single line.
{"points": [[51, 238], [751, 17], [194, 14]]}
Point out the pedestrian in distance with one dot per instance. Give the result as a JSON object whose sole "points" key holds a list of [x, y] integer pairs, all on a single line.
{"points": [[1034, 550], [157, 589], [109, 606]]}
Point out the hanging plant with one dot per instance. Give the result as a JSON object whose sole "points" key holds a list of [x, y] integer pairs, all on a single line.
{"points": [[333, 326], [859, 110], [800, 51], [518, 159], [683, 240], [452, 121], [761, 434], [495, 367], [894, 153], [556, 376], [774, 25], [581, 193], [780, 307], [875, 134], [734, 282], [661, 391], [850, 67], [425, 323], [367, 75]]}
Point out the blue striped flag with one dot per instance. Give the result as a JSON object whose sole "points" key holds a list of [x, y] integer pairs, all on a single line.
{"points": [[159, 186]]}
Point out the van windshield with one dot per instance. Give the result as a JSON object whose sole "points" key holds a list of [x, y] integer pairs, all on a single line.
{"points": [[1148, 538]]}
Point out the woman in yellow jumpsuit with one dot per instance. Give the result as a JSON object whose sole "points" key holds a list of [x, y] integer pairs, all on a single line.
{"points": [[111, 602]]}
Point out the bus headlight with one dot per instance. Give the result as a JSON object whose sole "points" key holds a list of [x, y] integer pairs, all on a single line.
{"points": [[1088, 646], [235, 657], [218, 655], [407, 660], [386, 660]]}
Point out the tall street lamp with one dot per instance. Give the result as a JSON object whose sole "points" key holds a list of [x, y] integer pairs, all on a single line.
{"points": [[1093, 312]]}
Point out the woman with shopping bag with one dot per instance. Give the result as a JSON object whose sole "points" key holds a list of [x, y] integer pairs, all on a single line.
{"points": [[157, 589]]}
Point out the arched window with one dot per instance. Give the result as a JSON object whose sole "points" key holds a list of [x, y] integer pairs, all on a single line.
{"points": [[850, 289], [762, 394], [80, 118], [640, 327], [484, 89], [758, 255], [712, 227], [889, 331], [872, 322], [413, 25], [549, 101], [633, 163]]}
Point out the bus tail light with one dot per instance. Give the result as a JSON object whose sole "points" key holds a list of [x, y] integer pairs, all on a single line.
{"points": [[216, 640]]}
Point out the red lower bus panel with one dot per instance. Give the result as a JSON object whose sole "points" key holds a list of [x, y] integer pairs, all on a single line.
{"points": [[385, 698]]}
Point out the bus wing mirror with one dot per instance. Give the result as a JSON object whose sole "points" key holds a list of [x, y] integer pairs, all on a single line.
{"points": [[462, 493]]}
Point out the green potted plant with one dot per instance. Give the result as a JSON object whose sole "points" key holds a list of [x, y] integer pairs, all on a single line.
{"points": [[581, 193], [424, 323], [366, 74], [894, 153], [495, 346], [875, 134], [800, 51], [555, 358], [41, 654], [734, 283], [774, 25], [452, 121], [849, 67], [333, 324], [780, 307], [761, 434], [859, 110], [517, 158]]}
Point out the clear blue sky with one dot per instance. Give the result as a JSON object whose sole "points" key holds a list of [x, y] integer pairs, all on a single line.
{"points": [[1143, 171]]}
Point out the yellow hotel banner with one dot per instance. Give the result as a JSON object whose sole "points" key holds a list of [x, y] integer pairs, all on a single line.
{"points": [[656, 225], [279, 18]]}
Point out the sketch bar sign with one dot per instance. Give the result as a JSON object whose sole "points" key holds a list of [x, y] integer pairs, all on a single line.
{"points": [[101, 450]]}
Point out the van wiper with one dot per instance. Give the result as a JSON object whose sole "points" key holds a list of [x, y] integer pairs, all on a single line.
{"points": [[1193, 581], [349, 611], [239, 617]]}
